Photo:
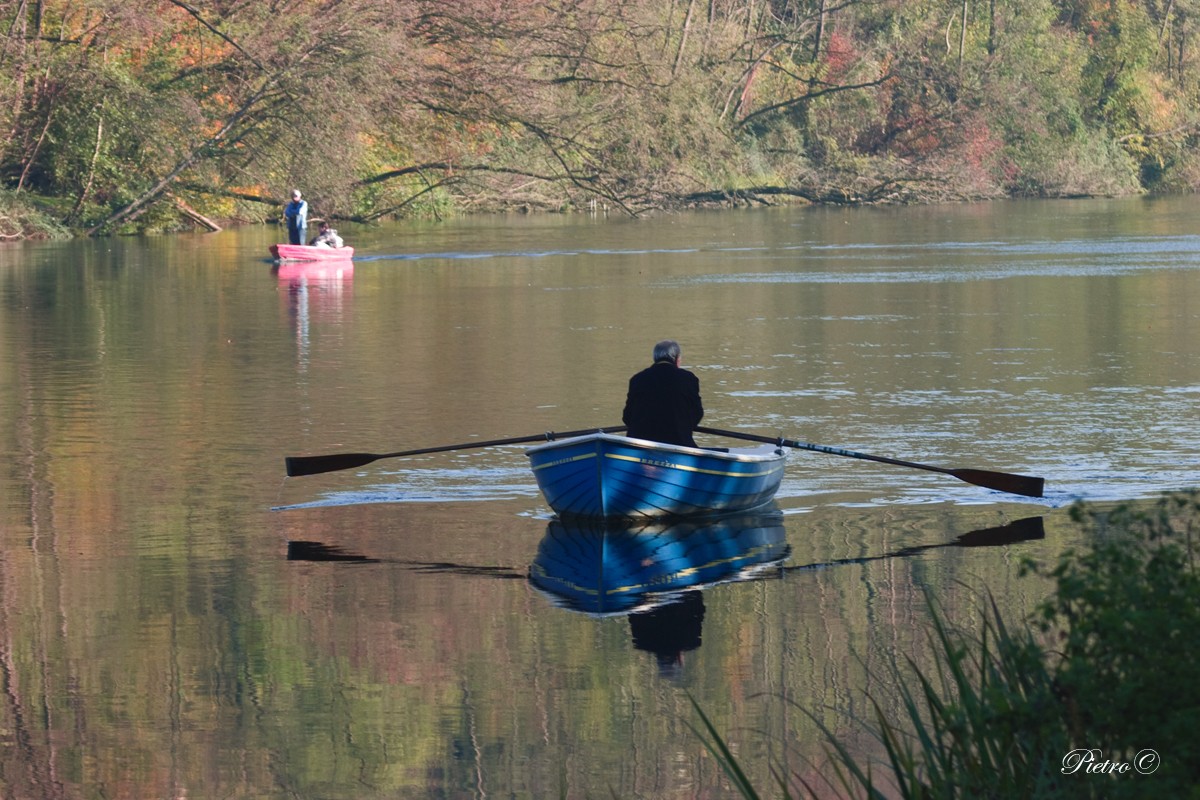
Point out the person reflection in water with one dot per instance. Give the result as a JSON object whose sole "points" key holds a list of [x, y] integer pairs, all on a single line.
{"points": [[663, 403], [670, 631]]}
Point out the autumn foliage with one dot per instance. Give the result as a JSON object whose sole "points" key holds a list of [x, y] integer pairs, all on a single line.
{"points": [[383, 108]]}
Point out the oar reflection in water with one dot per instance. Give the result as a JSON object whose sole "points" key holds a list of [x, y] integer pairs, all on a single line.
{"points": [[655, 573], [1023, 530], [601, 570], [316, 551]]}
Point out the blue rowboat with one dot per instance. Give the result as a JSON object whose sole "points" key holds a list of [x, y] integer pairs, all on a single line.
{"points": [[603, 568], [602, 475]]}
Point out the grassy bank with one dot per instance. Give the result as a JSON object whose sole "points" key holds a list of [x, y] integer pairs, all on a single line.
{"points": [[22, 217]]}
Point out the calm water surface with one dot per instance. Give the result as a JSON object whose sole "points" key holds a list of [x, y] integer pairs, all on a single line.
{"points": [[177, 619]]}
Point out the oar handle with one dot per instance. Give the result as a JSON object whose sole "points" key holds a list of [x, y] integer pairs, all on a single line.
{"points": [[838, 451], [819, 448]]}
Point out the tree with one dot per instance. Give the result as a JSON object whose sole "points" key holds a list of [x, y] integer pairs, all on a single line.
{"points": [[377, 107]]}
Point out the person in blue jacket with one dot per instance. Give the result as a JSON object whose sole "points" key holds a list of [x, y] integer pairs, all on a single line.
{"points": [[663, 403], [296, 216]]}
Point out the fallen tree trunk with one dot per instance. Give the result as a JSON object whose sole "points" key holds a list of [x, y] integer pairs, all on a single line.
{"points": [[196, 216], [817, 195]]}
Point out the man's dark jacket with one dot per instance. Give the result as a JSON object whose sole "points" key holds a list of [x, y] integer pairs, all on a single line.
{"points": [[663, 404]]}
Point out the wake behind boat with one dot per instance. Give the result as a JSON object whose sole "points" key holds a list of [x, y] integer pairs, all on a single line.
{"points": [[304, 252], [601, 475]]}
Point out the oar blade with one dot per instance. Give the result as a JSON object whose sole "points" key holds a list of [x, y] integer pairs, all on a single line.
{"points": [[315, 465], [1023, 530], [1026, 485], [1000, 481]]}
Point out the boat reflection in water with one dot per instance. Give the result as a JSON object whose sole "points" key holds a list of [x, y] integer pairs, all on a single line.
{"points": [[330, 271], [618, 568], [653, 572], [316, 291]]}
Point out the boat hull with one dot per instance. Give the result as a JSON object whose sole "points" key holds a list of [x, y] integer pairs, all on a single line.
{"points": [[603, 476], [302, 252]]}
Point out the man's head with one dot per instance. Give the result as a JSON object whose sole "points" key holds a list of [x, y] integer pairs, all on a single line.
{"points": [[667, 350], [295, 194]]}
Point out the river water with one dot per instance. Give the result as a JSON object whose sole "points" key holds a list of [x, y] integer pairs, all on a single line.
{"points": [[178, 619]]}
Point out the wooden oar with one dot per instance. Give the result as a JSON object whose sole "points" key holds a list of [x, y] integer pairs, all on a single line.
{"points": [[1000, 481], [313, 465]]}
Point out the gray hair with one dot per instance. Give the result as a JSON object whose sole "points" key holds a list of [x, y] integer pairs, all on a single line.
{"points": [[666, 350]]}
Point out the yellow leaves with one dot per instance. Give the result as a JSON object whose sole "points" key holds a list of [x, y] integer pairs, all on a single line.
{"points": [[1162, 106]]}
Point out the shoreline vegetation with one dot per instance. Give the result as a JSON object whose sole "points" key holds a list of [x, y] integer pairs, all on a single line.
{"points": [[1094, 695], [165, 115]]}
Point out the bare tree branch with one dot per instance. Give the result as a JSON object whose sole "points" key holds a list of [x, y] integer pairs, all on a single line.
{"points": [[809, 96]]}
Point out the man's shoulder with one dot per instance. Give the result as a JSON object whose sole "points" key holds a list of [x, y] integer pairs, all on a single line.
{"points": [[664, 372]]}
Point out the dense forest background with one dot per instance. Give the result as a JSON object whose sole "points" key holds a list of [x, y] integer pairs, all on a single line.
{"points": [[154, 114]]}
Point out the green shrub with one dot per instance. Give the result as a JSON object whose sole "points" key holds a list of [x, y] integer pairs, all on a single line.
{"points": [[1001, 716], [1126, 615]]}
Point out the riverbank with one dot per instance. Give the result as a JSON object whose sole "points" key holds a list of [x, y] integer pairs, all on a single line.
{"points": [[25, 216]]}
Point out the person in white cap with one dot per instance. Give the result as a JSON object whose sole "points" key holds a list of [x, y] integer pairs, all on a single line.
{"points": [[296, 216]]}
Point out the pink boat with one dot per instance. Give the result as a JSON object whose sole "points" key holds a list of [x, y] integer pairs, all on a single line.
{"points": [[303, 252]]}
